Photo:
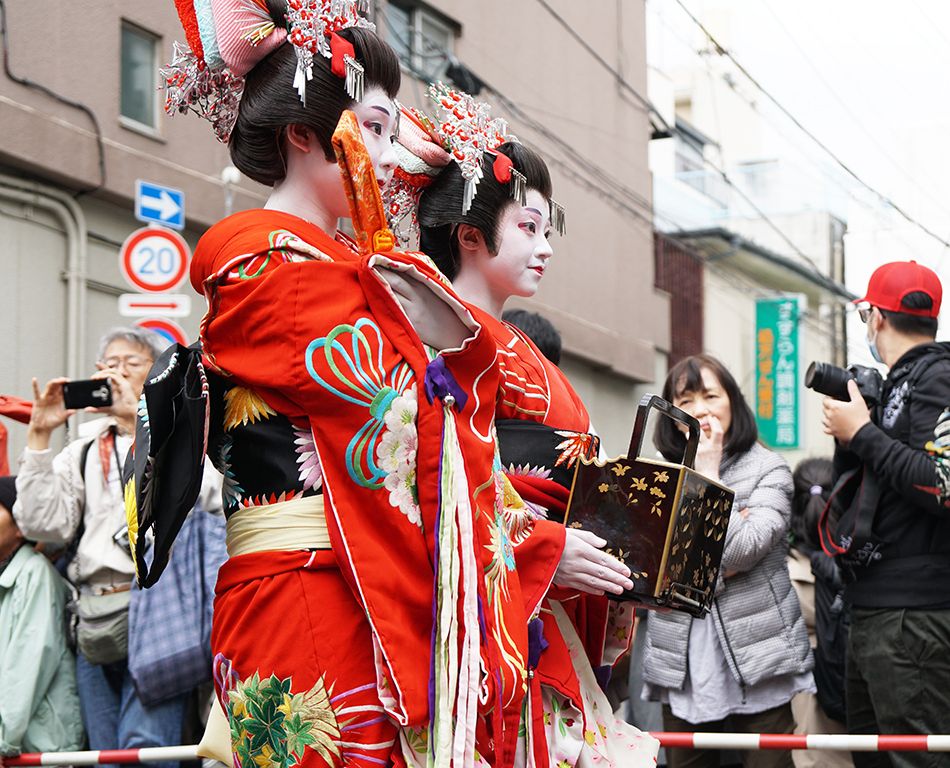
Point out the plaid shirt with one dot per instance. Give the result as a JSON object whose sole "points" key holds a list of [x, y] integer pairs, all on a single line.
{"points": [[170, 623]]}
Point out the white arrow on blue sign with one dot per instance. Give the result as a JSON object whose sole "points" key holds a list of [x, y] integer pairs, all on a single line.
{"points": [[157, 204]]}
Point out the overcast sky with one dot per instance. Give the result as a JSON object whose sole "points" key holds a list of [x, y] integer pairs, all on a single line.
{"points": [[869, 78]]}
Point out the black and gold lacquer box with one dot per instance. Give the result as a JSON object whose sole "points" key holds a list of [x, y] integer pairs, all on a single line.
{"points": [[665, 521]]}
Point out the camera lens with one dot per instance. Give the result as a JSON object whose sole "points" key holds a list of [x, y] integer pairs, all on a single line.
{"points": [[828, 379]]}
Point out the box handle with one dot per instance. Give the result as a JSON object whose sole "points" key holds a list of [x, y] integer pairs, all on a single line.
{"points": [[648, 402]]}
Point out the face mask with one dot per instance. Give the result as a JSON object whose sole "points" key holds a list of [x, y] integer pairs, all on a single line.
{"points": [[872, 346]]}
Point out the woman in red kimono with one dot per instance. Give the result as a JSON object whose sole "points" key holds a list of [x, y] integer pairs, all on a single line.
{"points": [[370, 612], [490, 238]]}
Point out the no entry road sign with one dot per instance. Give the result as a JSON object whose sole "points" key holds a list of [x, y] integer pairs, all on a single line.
{"points": [[154, 260]]}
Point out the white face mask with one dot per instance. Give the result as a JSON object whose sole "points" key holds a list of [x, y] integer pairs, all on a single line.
{"points": [[872, 344]]}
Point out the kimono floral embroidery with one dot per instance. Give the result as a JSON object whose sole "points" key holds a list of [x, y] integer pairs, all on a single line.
{"points": [[575, 445], [311, 474], [231, 490], [503, 558], [272, 726], [285, 246], [242, 407], [526, 470], [396, 454], [519, 516], [382, 453], [142, 412]]}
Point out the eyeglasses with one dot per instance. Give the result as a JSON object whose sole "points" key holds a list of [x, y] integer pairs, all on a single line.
{"points": [[131, 362], [865, 314]]}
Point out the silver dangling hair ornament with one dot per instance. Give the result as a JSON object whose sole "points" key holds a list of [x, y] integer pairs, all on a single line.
{"points": [[469, 131], [471, 187], [519, 187], [556, 214], [354, 78], [312, 29]]}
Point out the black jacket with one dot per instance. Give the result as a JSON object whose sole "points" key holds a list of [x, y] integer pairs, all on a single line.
{"points": [[896, 515]]}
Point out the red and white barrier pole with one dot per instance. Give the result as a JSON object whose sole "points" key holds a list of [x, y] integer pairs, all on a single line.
{"points": [[96, 757], [842, 742]]}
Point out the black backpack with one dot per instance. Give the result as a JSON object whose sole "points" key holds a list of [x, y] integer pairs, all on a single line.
{"points": [[832, 626]]}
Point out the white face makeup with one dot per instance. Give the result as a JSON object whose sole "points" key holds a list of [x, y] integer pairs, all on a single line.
{"points": [[376, 114], [524, 249]]}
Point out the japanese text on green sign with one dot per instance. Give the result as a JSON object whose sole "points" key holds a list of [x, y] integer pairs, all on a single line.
{"points": [[777, 365]]}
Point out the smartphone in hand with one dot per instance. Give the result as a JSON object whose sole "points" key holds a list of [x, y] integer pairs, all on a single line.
{"points": [[87, 393]]}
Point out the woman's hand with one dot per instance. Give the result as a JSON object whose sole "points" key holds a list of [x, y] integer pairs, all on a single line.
{"points": [[709, 453], [49, 412], [435, 322], [585, 567]]}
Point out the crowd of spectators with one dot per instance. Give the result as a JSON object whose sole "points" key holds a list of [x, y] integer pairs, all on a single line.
{"points": [[830, 613]]}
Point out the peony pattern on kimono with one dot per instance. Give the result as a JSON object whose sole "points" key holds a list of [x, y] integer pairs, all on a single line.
{"points": [[396, 455]]}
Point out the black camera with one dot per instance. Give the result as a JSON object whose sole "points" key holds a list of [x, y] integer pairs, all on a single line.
{"points": [[833, 381]]}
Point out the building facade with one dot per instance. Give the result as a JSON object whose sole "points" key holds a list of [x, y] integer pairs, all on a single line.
{"points": [[81, 125], [743, 221]]}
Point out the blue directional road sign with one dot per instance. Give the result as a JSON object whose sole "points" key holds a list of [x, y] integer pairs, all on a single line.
{"points": [[156, 204]]}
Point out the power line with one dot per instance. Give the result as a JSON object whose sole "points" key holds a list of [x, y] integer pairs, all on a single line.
{"points": [[722, 51], [842, 104], [647, 103], [823, 169]]}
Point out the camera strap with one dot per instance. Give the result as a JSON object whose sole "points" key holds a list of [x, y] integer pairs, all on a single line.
{"points": [[107, 441], [828, 545], [863, 508]]}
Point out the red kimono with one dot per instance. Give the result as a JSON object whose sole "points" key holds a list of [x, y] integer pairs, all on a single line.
{"points": [[411, 627]]}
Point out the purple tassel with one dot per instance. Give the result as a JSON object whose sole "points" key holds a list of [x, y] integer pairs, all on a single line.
{"points": [[536, 642], [440, 383]]}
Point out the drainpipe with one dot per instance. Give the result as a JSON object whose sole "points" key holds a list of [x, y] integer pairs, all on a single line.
{"points": [[68, 211]]}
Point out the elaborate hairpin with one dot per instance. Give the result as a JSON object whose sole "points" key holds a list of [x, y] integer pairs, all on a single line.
{"points": [[469, 133], [421, 156], [192, 86], [226, 38], [312, 29], [556, 215]]}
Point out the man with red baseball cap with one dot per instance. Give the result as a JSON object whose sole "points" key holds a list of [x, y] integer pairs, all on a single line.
{"points": [[892, 501]]}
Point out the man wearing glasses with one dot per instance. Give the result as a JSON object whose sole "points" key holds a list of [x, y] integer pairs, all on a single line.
{"points": [[893, 533], [74, 499]]}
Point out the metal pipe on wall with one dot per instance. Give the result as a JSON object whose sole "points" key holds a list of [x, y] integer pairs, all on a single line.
{"points": [[68, 211]]}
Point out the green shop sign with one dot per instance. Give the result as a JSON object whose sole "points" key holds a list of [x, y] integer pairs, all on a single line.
{"points": [[777, 391]]}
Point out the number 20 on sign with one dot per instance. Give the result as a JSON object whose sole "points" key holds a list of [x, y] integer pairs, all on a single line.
{"points": [[154, 259]]}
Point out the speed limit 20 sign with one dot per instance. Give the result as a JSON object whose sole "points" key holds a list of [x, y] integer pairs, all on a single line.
{"points": [[154, 259]]}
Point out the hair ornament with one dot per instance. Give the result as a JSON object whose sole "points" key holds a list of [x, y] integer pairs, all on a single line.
{"points": [[816, 490], [469, 132], [519, 187], [192, 86], [557, 217], [227, 38], [312, 27], [421, 155]]}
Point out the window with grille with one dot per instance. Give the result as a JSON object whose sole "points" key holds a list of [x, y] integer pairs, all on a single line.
{"points": [[423, 38]]}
